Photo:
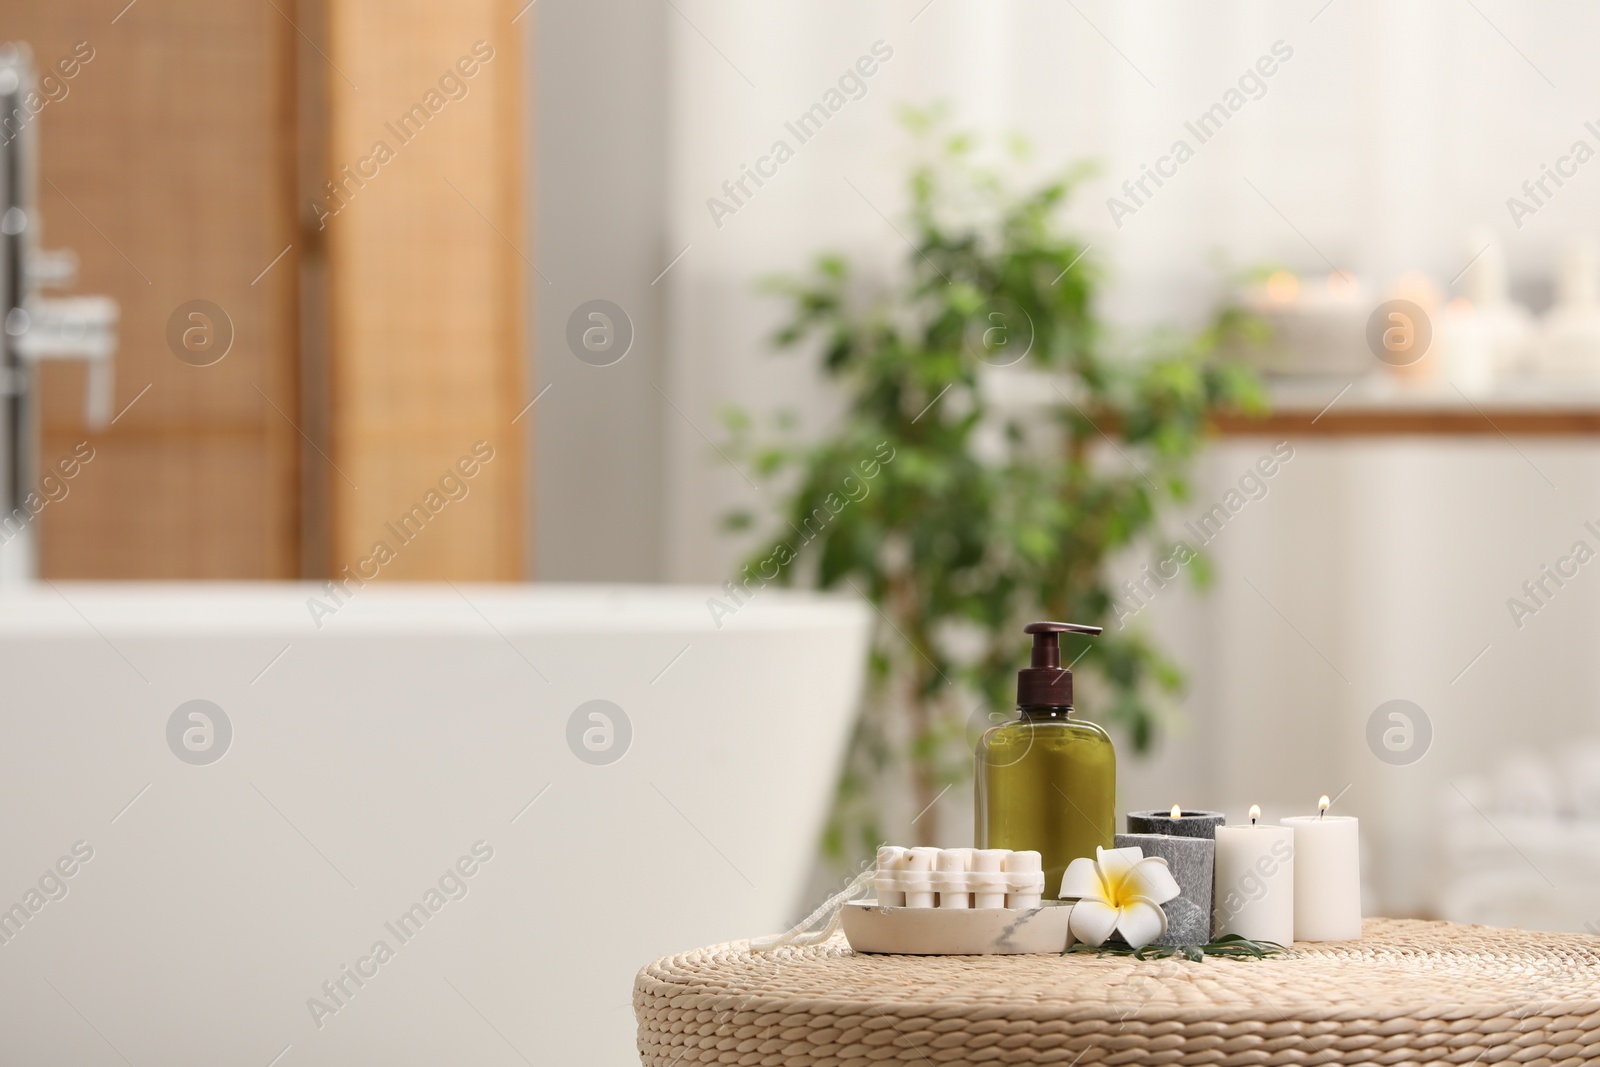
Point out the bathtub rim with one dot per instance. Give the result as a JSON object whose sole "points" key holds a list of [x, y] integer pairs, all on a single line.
{"points": [[198, 608]]}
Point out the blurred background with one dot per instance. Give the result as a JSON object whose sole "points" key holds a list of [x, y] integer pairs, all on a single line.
{"points": [[397, 402]]}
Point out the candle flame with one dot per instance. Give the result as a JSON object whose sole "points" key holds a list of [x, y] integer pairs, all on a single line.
{"points": [[1255, 813], [1177, 811], [1323, 804], [1282, 287]]}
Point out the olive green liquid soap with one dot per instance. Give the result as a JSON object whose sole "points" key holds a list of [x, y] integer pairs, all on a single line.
{"points": [[1046, 781]]}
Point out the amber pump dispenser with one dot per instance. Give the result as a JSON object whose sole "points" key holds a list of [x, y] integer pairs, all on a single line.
{"points": [[1046, 780]]}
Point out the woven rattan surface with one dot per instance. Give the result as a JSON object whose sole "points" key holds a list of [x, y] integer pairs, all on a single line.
{"points": [[1407, 993]]}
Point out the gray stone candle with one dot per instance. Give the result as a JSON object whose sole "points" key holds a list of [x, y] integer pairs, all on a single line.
{"points": [[1186, 823], [1191, 860]]}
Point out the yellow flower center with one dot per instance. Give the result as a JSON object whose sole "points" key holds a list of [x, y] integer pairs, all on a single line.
{"points": [[1118, 886]]}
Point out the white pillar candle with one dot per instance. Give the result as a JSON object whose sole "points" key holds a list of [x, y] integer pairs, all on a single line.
{"points": [[954, 862], [1327, 884], [919, 870], [1254, 891], [1029, 866], [891, 860], [988, 865]]}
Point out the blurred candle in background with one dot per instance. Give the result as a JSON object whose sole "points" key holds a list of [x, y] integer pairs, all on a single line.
{"points": [[1316, 325], [1255, 878], [1327, 885]]}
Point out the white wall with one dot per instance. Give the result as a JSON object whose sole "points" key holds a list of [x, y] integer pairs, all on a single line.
{"points": [[599, 120]]}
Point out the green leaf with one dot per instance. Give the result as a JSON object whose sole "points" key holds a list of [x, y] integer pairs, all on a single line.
{"points": [[1230, 946]]}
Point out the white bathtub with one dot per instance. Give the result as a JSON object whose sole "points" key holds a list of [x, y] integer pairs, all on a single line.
{"points": [[368, 757]]}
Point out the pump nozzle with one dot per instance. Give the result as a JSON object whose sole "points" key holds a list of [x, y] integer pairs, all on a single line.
{"points": [[1046, 683]]}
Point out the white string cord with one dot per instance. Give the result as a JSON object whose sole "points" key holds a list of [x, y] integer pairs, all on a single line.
{"points": [[802, 934]]}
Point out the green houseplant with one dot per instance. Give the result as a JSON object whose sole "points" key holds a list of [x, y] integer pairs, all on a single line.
{"points": [[957, 517]]}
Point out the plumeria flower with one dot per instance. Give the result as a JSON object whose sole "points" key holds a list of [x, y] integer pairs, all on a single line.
{"points": [[1122, 891]]}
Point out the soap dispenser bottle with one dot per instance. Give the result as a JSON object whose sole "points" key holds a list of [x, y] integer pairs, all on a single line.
{"points": [[1046, 781]]}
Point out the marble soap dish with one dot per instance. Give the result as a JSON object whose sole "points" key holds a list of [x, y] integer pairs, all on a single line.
{"points": [[870, 927], [957, 902]]}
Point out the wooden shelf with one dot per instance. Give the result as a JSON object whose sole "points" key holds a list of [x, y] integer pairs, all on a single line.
{"points": [[1386, 422], [1368, 409]]}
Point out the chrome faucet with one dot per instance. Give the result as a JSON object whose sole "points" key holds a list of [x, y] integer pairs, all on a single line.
{"points": [[36, 328]]}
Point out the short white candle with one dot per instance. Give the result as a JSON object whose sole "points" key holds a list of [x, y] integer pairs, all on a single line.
{"points": [[1327, 885], [1253, 895]]}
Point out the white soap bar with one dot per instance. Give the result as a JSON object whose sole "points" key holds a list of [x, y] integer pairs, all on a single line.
{"points": [[1025, 863], [891, 861], [954, 862], [919, 884], [988, 879]]}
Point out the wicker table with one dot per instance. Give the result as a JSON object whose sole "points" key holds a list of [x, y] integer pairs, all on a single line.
{"points": [[1407, 993]]}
